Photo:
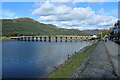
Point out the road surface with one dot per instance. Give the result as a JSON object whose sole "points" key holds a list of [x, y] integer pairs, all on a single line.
{"points": [[114, 54], [98, 64]]}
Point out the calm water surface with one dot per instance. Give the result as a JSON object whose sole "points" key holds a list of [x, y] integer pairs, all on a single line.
{"points": [[27, 59]]}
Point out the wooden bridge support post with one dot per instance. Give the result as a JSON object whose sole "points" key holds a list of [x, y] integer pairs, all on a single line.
{"points": [[18, 39], [60, 39], [36, 38], [56, 39], [32, 38], [41, 39], [65, 39], [25, 39], [45, 39], [21, 38], [76, 39], [49, 39], [28, 38]]}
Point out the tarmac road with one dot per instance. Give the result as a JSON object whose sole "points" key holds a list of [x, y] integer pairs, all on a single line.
{"points": [[98, 64], [114, 54]]}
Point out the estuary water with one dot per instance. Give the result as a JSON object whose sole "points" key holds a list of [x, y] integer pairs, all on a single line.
{"points": [[35, 59]]}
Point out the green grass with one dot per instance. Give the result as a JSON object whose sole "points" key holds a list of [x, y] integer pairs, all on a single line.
{"points": [[67, 69]]}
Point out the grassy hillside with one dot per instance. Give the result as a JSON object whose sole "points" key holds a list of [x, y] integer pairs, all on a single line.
{"points": [[27, 26]]}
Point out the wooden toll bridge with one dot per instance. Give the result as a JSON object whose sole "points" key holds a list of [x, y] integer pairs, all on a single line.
{"points": [[49, 38]]}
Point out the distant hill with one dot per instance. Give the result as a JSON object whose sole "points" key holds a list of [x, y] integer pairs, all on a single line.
{"points": [[27, 26], [93, 32]]}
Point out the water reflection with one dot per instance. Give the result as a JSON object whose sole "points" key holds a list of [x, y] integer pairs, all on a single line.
{"points": [[27, 59]]}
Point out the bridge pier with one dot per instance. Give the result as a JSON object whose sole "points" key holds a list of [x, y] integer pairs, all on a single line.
{"points": [[60, 39], [76, 39], [18, 39], [28, 38], [41, 39], [32, 38], [81, 37], [36, 38], [45, 39], [21, 38], [25, 39], [49, 39], [56, 39], [65, 39]]}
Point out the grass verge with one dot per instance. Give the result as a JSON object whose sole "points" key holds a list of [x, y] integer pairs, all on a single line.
{"points": [[68, 68], [5, 39]]}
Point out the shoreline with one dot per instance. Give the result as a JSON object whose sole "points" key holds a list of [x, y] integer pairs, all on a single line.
{"points": [[7, 39], [52, 74], [75, 54]]}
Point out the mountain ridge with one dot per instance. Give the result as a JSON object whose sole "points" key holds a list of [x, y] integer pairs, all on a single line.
{"points": [[28, 26]]}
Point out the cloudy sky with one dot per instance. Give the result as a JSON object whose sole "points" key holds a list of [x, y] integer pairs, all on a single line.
{"points": [[65, 13]]}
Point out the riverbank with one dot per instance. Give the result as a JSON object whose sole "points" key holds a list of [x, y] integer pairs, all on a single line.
{"points": [[67, 69], [6, 39]]}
